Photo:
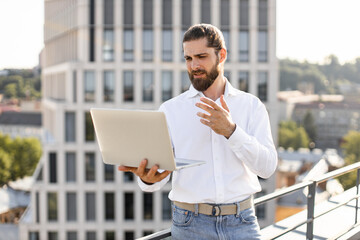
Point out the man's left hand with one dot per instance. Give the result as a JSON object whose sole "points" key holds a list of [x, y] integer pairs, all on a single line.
{"points": [[219, 118]]}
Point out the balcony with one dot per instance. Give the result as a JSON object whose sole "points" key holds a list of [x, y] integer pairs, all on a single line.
{"points": [[336, 218]]}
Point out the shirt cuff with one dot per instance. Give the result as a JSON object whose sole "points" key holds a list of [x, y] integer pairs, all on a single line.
{"points": [[237, 139], [146, 187]]}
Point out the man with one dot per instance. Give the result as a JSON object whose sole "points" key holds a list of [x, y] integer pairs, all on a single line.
{"points": [[230, 131]]}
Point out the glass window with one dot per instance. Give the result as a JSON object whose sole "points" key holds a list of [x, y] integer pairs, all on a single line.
{"points": [[74, 87], [244, 13], [185, 81], [90, 206], [167, 13], [71, 235], [52, 236], [109, 206], [148, 232], [37, 207], [128, 86], [263, 13], [89, 86], [262, 86], [70, 167], [90, 167], [262, 47], [90, 235], [167, 46], [108, 12], [70, 128], [166, 206], [148, 206], [244, 81], [89, 128], [129, 235], [92, 31], [227, 74], [109, 86], [128, 177], [108, 45], [52, 168], [108, 173], [128, 45], [186, 13], [71, 209], [148, 13], [128, 12], [129, 206], [148, 44], [225, 13], [52, 206], [243, 46], [148, 86], [166, 85], [34, 236], [226, 34], [205, 11], [109, 235]]}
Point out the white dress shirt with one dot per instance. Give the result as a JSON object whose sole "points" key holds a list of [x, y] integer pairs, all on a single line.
{"points": [[232, 165]]}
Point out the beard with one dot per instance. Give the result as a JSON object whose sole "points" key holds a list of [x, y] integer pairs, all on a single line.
{"points": [[202, 84]]}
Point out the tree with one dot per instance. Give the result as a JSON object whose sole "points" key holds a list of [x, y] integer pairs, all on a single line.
{"points": [[309, 126], [4, 167], [10, 91], [291, 135], [351, 148]]}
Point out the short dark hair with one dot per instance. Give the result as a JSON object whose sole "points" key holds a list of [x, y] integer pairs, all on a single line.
{"points": [[214, 36]]}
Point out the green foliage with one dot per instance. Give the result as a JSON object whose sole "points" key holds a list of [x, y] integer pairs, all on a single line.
{"points": [[351, 148], [291, 135], [18, 157], [309, 126]]}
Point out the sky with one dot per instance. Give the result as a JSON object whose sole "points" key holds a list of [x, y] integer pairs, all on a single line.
{"points": [[306, 30]]}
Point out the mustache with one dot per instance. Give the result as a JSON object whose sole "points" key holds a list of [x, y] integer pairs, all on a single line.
{"points": [[198, 72]]}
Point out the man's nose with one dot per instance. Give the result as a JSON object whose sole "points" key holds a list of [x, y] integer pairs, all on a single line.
{"points": [[195, 65]]}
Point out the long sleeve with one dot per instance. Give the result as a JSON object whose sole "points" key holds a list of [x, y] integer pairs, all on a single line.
{"points": [[153, 187]]}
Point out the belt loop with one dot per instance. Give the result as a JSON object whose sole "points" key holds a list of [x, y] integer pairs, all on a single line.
{"points": [[196, 209], [238, 209]]}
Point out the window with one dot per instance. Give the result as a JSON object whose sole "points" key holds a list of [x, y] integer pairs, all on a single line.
{"points": [[226, 34], [74, 87], [92, 31], [70, 167], [227, 74], [34, 236], [148, 44], [185, 81], [166, 206], [148, 232], [225, 13], [167, 45], [263, 13], [90, 235], [129, 206], [39, 177], [52, 206], [108, 173], [148, 206], [262, 46], [70, 128], [90, 167], [71, 209], [108, 45], [37, 207], [166, 85], [128, 12], [205, 11], [262, 86], [186, 13], [129, 235], [52, 236], [244, 13], [89, 128], [128, 45], [90, 206], [71, 235], [243, 46], [108, 12], [148, 13], [109, 206], [89, 86], [128, 86], [128, 177], [244, 81], [109, 86], [109, 235], [148, 86], [52, 168], [167, 13]]}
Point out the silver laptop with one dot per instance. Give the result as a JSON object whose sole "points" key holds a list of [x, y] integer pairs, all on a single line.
{"points": [[126, 137]]}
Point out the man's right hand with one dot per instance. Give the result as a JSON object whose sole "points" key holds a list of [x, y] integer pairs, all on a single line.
{"points": [[148, 176]]}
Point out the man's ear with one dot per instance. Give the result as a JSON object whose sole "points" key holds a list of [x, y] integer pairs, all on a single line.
{"points": [[223, 55]]}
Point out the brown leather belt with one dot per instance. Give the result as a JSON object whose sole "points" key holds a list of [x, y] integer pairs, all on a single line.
{"points": [[216, 210]]}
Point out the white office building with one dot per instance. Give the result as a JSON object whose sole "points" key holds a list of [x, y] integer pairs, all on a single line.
{"points": [[128, 54]]}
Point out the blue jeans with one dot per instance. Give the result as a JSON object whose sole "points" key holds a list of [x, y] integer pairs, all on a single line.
{"points": [[189, 225]]}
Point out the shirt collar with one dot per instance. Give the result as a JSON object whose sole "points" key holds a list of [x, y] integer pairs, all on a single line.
{"points": [[229, 91]]}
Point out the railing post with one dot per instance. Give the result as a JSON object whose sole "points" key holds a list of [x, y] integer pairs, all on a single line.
{"points": [[310, 211], [357, 192]]}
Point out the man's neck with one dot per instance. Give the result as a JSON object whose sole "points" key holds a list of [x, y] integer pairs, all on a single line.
{"points": [[217, 88]]}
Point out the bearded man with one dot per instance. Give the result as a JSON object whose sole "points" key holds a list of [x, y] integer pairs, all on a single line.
{"points": [[230, 131]]}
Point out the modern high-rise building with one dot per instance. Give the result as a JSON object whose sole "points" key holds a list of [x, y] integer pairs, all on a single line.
{"points": [[128, 54]]}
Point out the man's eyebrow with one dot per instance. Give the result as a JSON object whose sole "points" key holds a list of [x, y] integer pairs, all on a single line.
{"points": [[197, 55]]}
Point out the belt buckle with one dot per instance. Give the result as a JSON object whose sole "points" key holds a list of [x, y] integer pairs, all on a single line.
{"points": [[216, 210]]}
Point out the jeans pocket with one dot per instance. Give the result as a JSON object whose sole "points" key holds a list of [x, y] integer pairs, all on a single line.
{"points": [[248, 216], [182, 217]]}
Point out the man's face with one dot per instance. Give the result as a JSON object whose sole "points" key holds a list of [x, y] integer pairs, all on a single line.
{"points": [[202, 63]]}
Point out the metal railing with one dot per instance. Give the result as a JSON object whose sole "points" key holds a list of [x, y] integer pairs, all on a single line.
{"points": [[311, 185]]}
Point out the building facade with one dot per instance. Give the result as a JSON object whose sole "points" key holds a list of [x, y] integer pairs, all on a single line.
{"points": [[128, 54]]}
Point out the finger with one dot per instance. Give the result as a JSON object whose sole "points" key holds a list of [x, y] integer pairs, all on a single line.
{"points": [[205, 107], [223, 103], [153, 170], [126, 169], [163, 175], [207, 123], [203, 115], [141, 169], [210, 102]]}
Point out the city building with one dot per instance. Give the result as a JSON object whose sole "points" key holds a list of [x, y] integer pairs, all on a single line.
{"points": [[128, 54]]}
